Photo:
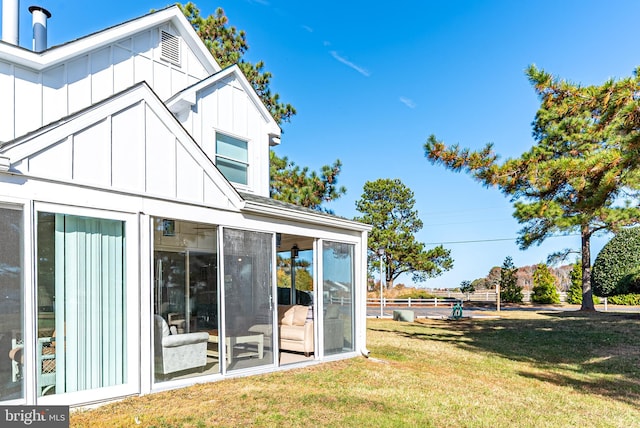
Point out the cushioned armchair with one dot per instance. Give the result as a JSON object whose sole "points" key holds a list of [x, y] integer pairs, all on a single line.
{"points": [[296, 330], [176, 352]]}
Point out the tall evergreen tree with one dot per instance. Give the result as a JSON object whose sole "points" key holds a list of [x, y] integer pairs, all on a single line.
{"points": [[574, 295], [583, 173], [289, 183], [387, 205], [510, 291]]}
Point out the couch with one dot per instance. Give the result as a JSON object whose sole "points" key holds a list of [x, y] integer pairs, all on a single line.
{"points": [[176, 352], [295, 324]]}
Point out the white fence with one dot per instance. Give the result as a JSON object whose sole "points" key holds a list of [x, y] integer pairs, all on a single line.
{"points": [[448, 298], [438, 301]]}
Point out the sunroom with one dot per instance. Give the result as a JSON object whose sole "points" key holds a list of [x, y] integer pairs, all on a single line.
{"points": [[129, 267]]}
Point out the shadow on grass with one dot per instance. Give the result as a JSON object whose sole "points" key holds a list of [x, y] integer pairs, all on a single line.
{"points": [[598, 353]]}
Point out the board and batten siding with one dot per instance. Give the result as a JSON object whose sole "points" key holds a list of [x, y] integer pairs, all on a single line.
{"points": [[225, 107], [138, 153], [31, 99]]}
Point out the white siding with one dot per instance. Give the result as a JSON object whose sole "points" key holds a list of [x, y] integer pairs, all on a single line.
{"points": [[6, 108], [92, 155], [240, 111], [28, 100], [42, 97], [161, 153], [54, 93], [213, 194], [79, 95], [225, 107], [134, 149], [123, 69], [128, 148], [162, 73], [190, 179], [101, 75], [55, 162]]}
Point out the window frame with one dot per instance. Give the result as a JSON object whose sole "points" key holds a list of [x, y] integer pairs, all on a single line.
{"points": [[132, 272], [234, 161]]}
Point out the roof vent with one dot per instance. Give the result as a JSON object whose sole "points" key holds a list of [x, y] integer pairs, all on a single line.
{"points": [[40, 16], [170, 47]]}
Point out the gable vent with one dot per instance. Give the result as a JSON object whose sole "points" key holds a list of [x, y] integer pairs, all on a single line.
{"points": [[170, 47]]}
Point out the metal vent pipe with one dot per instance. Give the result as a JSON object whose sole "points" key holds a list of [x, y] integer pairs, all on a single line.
{"points": [[40, 16], [10, 21]]}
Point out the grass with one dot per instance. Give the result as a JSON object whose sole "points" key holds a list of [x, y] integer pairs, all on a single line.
{"points": [[526, 369]]}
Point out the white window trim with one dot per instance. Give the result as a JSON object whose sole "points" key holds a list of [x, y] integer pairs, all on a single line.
{"points": [[247, 163]]}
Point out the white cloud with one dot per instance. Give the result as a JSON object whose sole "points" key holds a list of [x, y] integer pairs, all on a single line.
{"points": [[348, 63], [408, 102], [309, 29]]}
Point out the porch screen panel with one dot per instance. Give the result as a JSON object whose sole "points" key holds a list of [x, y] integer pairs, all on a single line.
{"points": [[11, 305], [248, 273], [338, 297], [90, 308]]}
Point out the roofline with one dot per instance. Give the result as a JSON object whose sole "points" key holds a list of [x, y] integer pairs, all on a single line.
{"points": [[90, 115], [308, 216], [61, 53], [186, 97]]}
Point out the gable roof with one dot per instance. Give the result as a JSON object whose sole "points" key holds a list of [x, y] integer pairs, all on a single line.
{"points": [[58, 54], [141, 147], [187, 97]]}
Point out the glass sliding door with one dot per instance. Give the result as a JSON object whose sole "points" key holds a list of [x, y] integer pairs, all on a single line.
{"points": [[185, 299], [338, 297], [11, 304], [299, 279], [82, 338], [248, 280]]}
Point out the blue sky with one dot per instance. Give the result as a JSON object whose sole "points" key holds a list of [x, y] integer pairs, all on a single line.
{"points": [[371, 81]]}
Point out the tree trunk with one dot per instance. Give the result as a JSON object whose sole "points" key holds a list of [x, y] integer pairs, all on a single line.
{"points": [[587, 294]]}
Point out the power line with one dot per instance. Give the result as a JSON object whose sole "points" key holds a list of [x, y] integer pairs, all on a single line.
{"points": [[491, 240]]}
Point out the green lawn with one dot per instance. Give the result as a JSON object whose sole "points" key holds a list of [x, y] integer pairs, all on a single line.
{"points": [[526, 369]]}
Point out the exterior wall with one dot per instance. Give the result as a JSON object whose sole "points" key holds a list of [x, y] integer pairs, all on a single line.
{"points": [[55, 196], [129, 160], [225, 107], [130, 142], [31, 99]]}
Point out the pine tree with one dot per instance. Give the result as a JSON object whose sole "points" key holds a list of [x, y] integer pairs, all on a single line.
{"points": [[387, 205], [544, 286], [583, 173], [289, 182], [510, 291]]}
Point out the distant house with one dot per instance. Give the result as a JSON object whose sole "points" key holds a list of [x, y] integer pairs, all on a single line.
{"points": [[139, 242]]}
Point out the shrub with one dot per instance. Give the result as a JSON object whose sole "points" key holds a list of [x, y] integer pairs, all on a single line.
{"points": [[544, 286], [416, 294], [617, 260], [625, 299]]}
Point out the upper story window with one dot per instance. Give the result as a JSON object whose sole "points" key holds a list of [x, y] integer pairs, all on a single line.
{"points": [[232, 158]]}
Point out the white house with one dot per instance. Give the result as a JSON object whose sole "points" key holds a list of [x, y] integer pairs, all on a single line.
{"points": [[139, 243]]}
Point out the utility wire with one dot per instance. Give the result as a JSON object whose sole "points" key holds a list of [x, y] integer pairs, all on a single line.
{"points": [[491, 240]]}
